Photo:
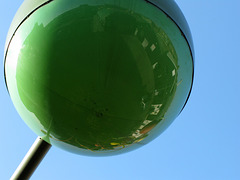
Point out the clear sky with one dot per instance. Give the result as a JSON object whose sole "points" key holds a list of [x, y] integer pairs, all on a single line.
{"points": [[203, 143]]}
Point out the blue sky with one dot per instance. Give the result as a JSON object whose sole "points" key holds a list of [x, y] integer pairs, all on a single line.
{"points": [[203, 143]]}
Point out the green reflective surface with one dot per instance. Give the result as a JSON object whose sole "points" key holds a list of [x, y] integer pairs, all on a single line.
{"points": [[24, 10], [98, 77]]}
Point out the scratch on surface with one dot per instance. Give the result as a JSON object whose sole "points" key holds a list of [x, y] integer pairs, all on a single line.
{"points": [[180, 82]]}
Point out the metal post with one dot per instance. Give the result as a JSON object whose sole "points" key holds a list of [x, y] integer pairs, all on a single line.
{"points": [[32, 159]]}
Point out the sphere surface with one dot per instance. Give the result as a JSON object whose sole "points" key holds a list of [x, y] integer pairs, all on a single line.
{"points": [[98, 77]]}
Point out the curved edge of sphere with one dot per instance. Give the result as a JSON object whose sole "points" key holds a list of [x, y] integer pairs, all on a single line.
{"points": [[170, 9]]}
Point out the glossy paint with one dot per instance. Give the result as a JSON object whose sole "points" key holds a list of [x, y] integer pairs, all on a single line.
{"points": [[99, 77]]}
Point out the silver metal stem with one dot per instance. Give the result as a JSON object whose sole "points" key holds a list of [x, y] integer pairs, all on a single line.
{"points": [[32, 159]]}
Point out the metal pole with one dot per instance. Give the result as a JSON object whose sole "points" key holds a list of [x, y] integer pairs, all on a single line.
{"points": [[32, 159]]}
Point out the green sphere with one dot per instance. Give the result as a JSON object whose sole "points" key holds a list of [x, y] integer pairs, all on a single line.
{"points": [[99, 77]]}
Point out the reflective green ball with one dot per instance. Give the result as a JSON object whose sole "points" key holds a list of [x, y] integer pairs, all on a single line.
{"points": [[99, 77]]}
